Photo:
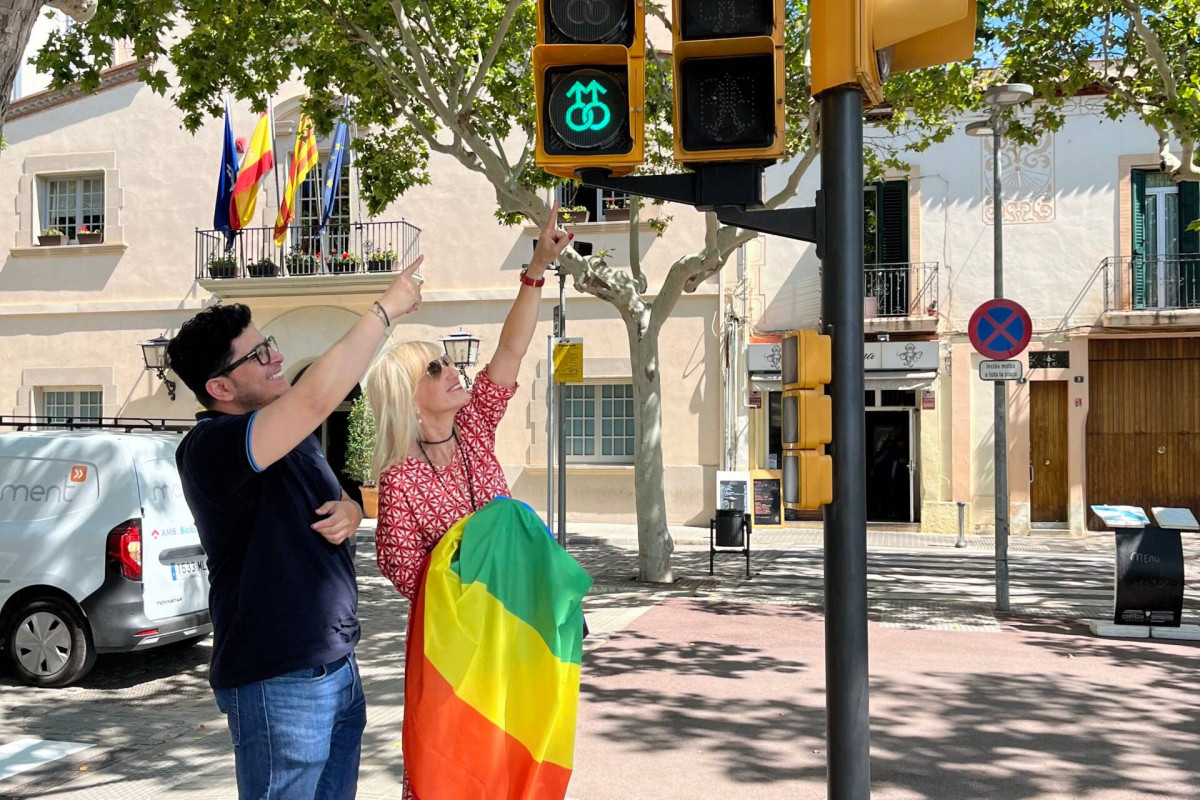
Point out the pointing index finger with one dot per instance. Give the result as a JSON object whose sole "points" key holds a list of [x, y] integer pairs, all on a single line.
{"points": [[408, 273]]}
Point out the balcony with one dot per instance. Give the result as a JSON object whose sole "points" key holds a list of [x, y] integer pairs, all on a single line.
{"points": [[901, 297], [1151, 291], [348, 257]]}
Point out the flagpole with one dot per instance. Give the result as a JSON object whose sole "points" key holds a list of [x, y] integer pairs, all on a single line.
{"points": [[274, 144]]}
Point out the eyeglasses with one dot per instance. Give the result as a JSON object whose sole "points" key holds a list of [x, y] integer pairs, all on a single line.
{"points": [[434, 368], [261, 352]]}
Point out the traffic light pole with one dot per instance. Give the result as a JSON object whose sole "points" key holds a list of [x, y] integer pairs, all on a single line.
{"points": [[847, 736]]}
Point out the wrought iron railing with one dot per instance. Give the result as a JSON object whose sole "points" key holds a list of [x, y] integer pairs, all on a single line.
{"points": [[341, 249], [902, 290], [1149, 283]]}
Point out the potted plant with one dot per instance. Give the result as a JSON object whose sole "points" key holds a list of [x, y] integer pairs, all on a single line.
{"points": [[299, 262], [220, 267], [381, 260], [86, 235], [346, 262], [51, 237], [360, 447], [615, 211], [573, 215], [263, 268]]}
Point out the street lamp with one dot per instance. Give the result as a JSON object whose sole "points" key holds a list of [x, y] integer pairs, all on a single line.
{"points": [[154, 355], [1000, 97], [463, 351]]}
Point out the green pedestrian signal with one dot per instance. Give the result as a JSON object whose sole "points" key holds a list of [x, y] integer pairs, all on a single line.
{"points": [[586, 113]]}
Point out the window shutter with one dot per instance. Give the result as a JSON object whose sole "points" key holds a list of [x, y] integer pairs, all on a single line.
{"points": [[1189, 243], [893, 222], [1138, 276]]}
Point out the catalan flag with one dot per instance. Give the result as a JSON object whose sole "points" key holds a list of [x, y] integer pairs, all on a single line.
{"points": [[304, 158], [258, 161], [492, 682]]}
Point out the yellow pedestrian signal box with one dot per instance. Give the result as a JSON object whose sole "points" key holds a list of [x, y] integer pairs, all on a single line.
{"points": [[807, 424], [865, 41], [729, 80], [590, 85]]}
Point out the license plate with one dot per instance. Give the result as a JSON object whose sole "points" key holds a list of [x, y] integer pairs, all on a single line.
{"points": [[182, 570]]}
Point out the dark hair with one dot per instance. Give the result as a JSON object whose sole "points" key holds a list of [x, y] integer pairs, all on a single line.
{"points": [[204, 345]]}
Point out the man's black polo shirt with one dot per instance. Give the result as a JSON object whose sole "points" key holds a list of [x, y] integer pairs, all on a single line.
{"points": [[281, 598]]}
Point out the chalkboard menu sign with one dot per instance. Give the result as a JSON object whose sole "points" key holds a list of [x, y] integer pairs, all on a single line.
{"points": [[733, 489], [768, 501], [1149, 579]]}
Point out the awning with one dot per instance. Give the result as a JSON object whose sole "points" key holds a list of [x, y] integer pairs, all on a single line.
{"points": [[899, 381]]}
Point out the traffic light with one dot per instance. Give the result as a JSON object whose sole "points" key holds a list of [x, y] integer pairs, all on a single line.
{"points": [[729, 80], [807, 424], [865, 41], [589, 85]]}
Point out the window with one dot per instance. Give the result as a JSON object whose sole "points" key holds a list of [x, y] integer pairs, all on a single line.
{"points": [[337, 233], [1166, 269], [61, 405], [885, 246], [596, 201], [599, 421], [69, 203]]}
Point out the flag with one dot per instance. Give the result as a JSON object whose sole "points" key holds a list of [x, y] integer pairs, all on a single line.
{"points": [[229, 174], [304, 158], [492, 679], [333, 170], [258, 162]]}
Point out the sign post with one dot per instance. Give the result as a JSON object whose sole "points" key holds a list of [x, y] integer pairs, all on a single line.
{"points": [[1000, 330]]}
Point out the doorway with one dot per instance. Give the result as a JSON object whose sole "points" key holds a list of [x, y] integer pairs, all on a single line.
{"points": [[1048, 451], [890, 466]]}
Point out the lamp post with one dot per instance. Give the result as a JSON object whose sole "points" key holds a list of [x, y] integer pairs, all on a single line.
{"points": [[154, 356], [463, 351], [1000, 97]]}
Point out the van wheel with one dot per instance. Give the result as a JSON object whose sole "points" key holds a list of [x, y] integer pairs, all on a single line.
{"points": [[48, 643]]}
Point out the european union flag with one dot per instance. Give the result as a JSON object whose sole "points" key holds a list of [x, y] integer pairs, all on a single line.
{"points": [[225, 184], [333, 172]]}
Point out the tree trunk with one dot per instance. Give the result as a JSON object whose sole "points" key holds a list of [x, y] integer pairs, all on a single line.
{"points": [[17, 18], [654, 539]]}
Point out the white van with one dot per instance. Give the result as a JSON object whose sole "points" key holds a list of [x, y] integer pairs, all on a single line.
{"points": [[98, 550]]}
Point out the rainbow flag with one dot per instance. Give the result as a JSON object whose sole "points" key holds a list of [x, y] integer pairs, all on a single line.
{"points": [[492, 681]]}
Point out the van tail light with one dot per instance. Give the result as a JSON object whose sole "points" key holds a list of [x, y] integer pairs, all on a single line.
{"points": [[125, 548]]}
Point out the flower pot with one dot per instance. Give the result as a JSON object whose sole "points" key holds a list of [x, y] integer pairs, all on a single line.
{"points": [[95, 237], [616, 215], [222, 271], [379, 265], [261, 270], [341, 267], [370, 498], [573, 217], [870, 307], [307, 267], [51, 241]]}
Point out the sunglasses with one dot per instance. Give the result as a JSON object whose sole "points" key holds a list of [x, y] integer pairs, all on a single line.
{"points": [[261, 352], [434, 368]]}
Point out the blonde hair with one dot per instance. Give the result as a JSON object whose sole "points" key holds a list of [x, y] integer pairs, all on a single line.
{"points": [[391, 387]]}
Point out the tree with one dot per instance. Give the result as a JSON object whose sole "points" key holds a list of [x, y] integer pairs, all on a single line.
{"points": [[453, 77], [17, 18]]}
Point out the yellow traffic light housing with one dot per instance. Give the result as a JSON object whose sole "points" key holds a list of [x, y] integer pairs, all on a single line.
{"points": [[589, 86], [807, 424], [865, 41], [729, 80]]}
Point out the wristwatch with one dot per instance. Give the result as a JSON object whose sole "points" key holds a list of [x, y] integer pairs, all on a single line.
{"points": [[528, 281]]}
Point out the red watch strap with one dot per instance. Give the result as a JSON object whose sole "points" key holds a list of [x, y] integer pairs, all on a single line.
{"points": [[528, 281]]}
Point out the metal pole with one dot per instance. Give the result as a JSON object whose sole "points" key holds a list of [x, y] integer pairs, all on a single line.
{"points": [[559, 391], [1001, 387], [848, 745], [550, 432]]}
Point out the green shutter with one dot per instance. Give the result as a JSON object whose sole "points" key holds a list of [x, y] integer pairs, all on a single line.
{"points": [[1189, 243], [1138, 179], [893, 222]]}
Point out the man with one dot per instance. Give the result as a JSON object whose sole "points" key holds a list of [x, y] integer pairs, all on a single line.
{"points": [[274, 522]]}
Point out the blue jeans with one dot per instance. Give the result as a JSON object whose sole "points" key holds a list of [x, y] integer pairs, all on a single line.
{"points": [[298, 736]]}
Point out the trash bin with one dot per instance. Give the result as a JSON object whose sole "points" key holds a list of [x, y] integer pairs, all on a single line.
{"points": [[731, 527]]}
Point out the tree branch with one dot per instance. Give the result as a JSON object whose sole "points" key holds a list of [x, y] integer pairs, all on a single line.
{"points": [[413, 49], [1153, 48], [485, 65], [635, 244]]}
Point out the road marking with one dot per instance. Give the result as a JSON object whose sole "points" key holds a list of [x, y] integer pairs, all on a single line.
{"points": [[23, 755]]}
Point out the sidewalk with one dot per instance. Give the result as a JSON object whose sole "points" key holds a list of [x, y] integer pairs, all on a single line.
{"points": [[714, 686]]}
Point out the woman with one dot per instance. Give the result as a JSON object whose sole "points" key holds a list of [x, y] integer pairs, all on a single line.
{"points": [[435, 445]]}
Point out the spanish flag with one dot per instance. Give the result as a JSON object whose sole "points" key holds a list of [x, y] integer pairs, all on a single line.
{"points": [[304, 158], [255, 164], [492, 682]]}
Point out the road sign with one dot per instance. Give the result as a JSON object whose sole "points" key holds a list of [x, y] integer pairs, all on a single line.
{"points": [[1000, 370], [1000, 329]]}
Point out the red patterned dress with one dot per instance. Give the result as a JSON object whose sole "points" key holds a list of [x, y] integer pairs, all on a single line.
{"points": [[416, 509]]}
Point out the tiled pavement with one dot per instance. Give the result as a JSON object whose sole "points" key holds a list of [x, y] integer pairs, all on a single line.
{"points": [[156, 732]]}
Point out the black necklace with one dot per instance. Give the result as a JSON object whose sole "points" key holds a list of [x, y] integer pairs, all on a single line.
{"points": [[440, 441], [462, 454]]}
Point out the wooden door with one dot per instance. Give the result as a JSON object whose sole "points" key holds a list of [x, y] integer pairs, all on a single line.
{"points": [[1048, 451]]}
